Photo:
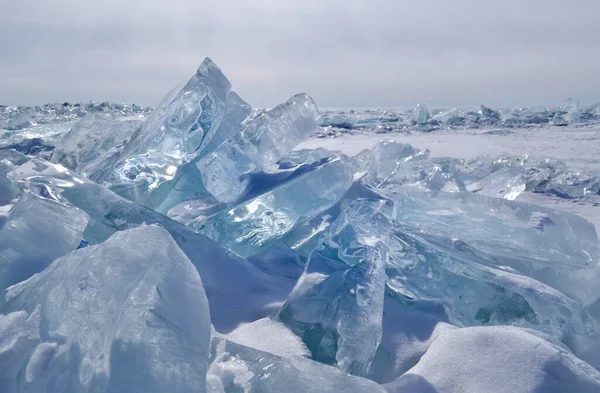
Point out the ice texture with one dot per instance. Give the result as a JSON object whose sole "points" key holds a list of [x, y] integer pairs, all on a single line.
{"points": [[237, 290], [337, 304], [187, 183], [497, 360], [511, 263], [130, 312], [90, 138], [19, 335], [184, 122], [37, 230], [249, 226], [257, 147], [422, 115], [9, 159], [236, 368]]}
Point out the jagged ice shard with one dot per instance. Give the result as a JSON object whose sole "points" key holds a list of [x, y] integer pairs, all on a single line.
{"points": [[257, 147], [173, 133], [90, 138], [130, 312], [249, 226], [336, 306], [28, 244]]}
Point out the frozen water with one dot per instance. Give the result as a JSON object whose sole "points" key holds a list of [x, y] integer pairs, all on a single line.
{"points": [[507, 183], [337, 304], [496, 360], [237, 290], [422, 115], [90, 138], [129, 312], [235, 368], [172, 135], [377, 258], [257, 147], [187, 184], [251, 225], [36, 231]]}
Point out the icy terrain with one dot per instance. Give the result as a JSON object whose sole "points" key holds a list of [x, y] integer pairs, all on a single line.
{"points": [[204, 246]]}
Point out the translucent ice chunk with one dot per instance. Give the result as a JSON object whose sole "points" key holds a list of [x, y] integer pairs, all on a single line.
{"points": [[237, 111], [422, 115], [524, 236], [257, 147], [568, 113], [336, 306], [91, 137], [391, 155], [129, 314], [8, 160], [187, 183], [36, 232], [173, 133], [253, 224], [473, 243], [236, 368], [507, 183], [236, 289]]}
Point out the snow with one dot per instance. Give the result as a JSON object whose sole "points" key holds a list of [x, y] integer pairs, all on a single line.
{"points": [[496, 360]]}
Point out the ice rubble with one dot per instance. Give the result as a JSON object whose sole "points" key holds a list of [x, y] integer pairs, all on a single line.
{"points": [[211, 256]]}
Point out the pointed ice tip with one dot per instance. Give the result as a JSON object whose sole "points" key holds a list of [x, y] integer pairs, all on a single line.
{"points": [[303, 97]]}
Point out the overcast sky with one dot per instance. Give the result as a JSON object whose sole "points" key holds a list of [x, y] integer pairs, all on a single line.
{"points": [[383, 53]]}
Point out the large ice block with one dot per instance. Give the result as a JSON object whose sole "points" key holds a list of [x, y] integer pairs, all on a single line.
{"points": [[173, 133], [90, 138], [251, 225], [506, 262], [236, 368], [187, 184], [336, 306], [237, 290], [523, 236], [129, 314], [422, 114], [37, 231], [507, 183], [257, 147], [8, 160]]}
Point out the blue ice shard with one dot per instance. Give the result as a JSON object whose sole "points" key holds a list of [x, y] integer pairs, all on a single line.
{"points": [[336, 306], [253, 224], [187, 184], [128, 313], [237, 291], [474, 243], [507, 183], [257, 147], [37, 230], [422, 115], [179, 127], [91, 138]]}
